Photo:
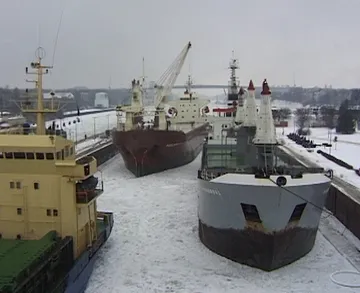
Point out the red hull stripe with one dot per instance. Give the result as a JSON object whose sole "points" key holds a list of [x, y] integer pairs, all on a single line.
{"points": [[224, 110]]}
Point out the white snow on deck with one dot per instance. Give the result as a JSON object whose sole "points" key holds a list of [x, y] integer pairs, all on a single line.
{"points": [[154, 246]]}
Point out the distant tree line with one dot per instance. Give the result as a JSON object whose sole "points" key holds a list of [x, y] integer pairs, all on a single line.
{"points": [[10, 99], [343, 120], [319, 96]]}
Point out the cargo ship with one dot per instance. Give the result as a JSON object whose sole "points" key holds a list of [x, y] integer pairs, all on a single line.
{"points": [[257, 205], [174, 137], [51, 230]]}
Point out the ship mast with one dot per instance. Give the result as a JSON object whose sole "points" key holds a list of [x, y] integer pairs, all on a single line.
{"points": [[143, 72], [188, 85], [39, 71], [233, 87]]}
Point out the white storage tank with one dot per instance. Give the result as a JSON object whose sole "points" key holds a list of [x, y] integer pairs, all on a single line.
{"points": [[101, 100]]}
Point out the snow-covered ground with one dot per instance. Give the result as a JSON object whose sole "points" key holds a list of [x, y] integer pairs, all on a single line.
{"points": [[85, 111], [347, 149], [90, 143], [222, 101], [89, 124], [154, 246]]}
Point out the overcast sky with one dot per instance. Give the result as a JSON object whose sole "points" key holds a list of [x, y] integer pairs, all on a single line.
{"points": [[317, 41]]}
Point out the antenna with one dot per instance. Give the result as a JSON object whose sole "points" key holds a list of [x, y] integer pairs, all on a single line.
{"points": [[143, 72], [39, 35], [57, 37], [39, 110]]}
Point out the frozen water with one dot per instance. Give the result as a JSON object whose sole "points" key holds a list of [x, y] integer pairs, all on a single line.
{"points": [[154, 246]]}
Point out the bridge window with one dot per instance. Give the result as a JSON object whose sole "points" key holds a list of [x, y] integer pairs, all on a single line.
{"points": [[250, 212], [19, 211], [30, 156], [9, 155], [36, 185], [18, 185], [48, 212], [55, 213], [1, 155], [19, 155], [12, 184], [49, 156], [40, 156], [86, 170]]}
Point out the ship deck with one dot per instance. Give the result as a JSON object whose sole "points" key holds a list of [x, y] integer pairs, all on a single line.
{"points": [[220, 158], [18, 256]]}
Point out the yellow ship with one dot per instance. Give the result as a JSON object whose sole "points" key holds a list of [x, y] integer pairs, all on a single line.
{"points": [[50, 228]]}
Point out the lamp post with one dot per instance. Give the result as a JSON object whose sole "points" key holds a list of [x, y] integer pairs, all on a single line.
{"points": [[76, 133], [94, 126]]}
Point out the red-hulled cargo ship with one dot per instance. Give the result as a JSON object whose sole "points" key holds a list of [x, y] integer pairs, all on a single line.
{"points": [[146, 149], [172, 138]]}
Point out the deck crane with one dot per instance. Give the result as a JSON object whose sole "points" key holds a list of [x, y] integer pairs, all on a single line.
{"points": [[165, 85]]}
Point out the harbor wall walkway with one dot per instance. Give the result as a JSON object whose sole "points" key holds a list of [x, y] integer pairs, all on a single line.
{"points": [[343, 199]]}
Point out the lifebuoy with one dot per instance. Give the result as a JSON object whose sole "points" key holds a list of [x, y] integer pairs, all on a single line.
{"points": [[172, 111], [205, 110]]}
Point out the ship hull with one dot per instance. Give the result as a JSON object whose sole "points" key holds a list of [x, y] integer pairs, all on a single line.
{"points": [[79, 285], [78, 278], [150, 151], [273, 240]]}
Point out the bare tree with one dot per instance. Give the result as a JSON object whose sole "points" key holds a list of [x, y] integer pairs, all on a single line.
{"points": [[284, 113], [281, 114], [302, 116]]}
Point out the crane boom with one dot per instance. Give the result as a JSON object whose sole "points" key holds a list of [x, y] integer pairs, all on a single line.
{"points": [[168, 79]]}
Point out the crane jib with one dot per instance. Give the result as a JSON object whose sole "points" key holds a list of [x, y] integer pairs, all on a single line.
{"points": [[168, 79]]}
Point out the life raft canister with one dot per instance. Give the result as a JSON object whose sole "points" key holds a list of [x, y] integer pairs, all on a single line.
{"points": [[172, 111], [205, 110]]}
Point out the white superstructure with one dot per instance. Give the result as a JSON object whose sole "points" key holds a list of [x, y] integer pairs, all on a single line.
{"points": [[250, 107], [265, 128]]}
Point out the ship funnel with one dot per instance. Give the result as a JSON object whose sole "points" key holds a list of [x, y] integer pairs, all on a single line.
{"points": [[137, 93], [240, 111], [265, 128], [250, 108]]}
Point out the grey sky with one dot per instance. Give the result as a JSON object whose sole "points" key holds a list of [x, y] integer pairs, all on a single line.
{"points": [[317, 40]]}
